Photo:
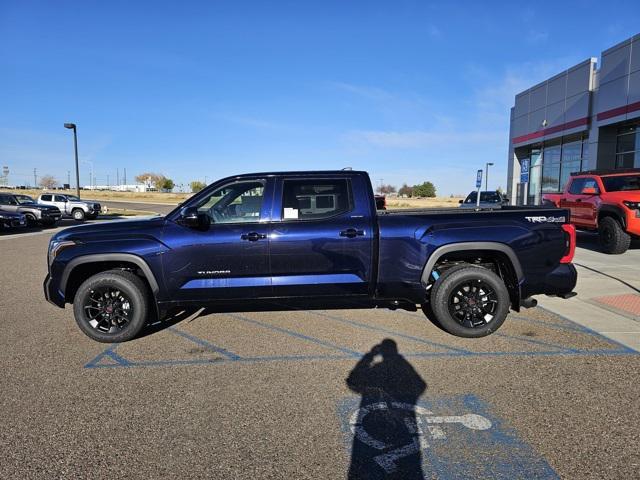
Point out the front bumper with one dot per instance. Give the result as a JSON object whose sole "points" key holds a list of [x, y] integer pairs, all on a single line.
{"points": [[13, 222], [50, 217], [52, 293]]}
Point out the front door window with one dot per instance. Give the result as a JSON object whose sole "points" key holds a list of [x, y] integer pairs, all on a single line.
{"points": [[238, 202]]}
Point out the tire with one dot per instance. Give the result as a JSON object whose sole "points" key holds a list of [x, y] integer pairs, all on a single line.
{"points": [[612, 237], [78, 214], [461, 310], [121, 316], [31, 219], [426, 307]]}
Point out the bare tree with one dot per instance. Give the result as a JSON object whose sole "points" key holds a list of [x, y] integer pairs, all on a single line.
{"points": [[48, 181], [155, 180], [385, 189]]}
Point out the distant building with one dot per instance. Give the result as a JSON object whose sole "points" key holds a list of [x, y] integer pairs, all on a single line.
{"points": [[122, 188], [584, 118]]}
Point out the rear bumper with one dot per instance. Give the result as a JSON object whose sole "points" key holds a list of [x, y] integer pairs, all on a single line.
{"points": [[561, 281], [52, 293]]}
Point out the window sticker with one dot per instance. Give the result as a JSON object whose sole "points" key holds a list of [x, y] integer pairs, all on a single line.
{"points": [[291, 213]]}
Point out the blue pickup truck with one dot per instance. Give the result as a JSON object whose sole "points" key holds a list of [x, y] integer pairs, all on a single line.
{"points": [[317, 236]]}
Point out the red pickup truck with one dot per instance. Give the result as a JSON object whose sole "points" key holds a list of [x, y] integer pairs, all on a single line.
{"points": [[606, 201]]}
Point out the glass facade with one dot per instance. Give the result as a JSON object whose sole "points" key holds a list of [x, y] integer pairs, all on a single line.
{"points": [[552, 163], [628, 147]]}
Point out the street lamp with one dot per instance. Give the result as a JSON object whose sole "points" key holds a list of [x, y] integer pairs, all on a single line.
{"points": [[486, 175], [72, 126]]}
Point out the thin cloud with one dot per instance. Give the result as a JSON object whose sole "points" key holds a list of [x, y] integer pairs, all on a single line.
{"points": [[420, 139]]}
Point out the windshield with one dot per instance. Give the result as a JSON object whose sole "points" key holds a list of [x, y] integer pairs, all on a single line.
{"points": [[621, 183], [22, 199], [485, 197]]}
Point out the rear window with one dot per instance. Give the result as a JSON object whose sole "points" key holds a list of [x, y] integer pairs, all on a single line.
{"points": [[621, 183], [485, 197]]}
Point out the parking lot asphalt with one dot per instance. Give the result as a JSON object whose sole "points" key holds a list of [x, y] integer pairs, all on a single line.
{"points": [[295, 394]]}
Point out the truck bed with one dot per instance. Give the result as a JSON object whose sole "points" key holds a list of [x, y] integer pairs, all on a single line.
{"points": [[534, 209]]}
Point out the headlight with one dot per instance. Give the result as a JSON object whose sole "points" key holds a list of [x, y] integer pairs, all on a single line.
{"points": [[56, 246], [632, 205]]}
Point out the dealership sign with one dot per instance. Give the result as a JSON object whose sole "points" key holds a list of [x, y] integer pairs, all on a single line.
{"points": [[524, 171]]}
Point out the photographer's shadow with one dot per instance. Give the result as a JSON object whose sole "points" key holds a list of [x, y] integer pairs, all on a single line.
{"points": [[386, 443]]}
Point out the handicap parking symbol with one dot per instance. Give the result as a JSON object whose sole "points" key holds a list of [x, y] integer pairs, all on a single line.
{"points": [[448, 438]]}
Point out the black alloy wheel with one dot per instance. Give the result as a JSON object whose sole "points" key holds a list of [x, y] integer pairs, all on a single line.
{"points": [[473, 303], [107, 309], [112, 306], [468, 301]]}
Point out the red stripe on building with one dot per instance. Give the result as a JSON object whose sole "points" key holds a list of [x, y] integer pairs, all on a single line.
{"points": [[548, 131], [614, 112]]}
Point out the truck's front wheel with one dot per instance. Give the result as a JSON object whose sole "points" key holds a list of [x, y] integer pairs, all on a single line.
{"points": [[613, 238], [469, 301], [111, 306], [78, 214]]}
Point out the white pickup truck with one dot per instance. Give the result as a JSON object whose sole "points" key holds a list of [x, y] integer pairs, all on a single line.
{"points": [[71, 206]]}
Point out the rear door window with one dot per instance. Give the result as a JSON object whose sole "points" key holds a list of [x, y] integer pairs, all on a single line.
{"points": [[315, 199], [45, 198]]}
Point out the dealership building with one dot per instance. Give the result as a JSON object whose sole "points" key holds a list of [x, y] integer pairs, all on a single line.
{"points": [[585, 118]]}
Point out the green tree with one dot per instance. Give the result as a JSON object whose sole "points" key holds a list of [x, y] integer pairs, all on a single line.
{"points": [[426, 189], [167, 184], [196, 186]]}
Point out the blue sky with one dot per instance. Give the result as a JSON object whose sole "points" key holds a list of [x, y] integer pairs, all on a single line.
{"points": [[410, 91]]}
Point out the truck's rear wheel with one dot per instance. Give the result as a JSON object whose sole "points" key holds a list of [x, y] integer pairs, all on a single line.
{"points": [[612, 237], [469, 302], [78, 214], [111, 306]]}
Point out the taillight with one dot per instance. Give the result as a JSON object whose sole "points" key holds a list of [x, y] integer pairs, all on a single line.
{"points": [[570, 242]]}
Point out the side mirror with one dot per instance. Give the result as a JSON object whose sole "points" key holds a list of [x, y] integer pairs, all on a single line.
{"points": [[461, 201], [588, 191], [190, 217]]}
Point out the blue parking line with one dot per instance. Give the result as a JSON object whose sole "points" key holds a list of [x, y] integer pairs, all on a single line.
{"points": [[295, 334], [536, 342], [124, 363], [590, 331], [110, 353], [204, 343], [390, 332], [553, 326]]}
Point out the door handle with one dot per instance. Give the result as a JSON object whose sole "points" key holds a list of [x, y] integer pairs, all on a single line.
{"points": [[253, 236], [578, 200], [351, 233]]}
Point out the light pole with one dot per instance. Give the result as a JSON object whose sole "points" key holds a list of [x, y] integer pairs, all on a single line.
{"points": [[486, 175], [72, 126]]}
